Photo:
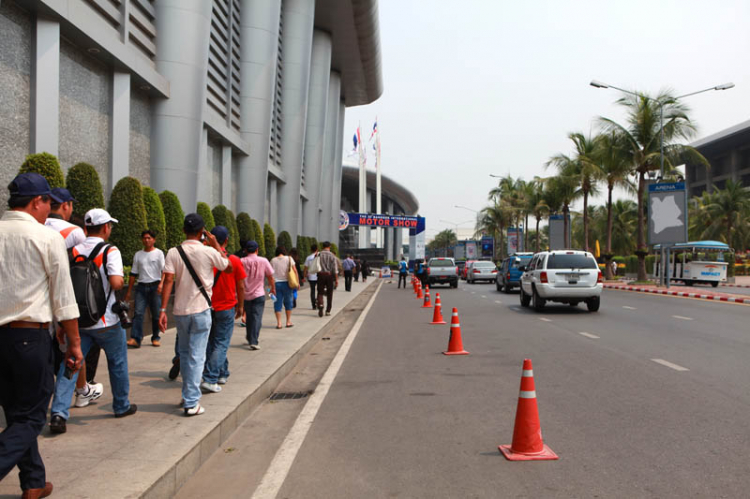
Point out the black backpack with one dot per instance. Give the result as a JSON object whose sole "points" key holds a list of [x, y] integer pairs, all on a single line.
{"points": [[88, 286]]}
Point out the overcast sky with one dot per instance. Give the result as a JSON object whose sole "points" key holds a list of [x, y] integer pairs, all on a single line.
{"points": [[494, 86]]}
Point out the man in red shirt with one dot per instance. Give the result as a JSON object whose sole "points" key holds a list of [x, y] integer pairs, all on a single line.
{"points": [[226, 308]]}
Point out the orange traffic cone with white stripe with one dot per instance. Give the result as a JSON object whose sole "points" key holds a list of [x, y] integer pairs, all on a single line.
{"points": [[437, 316], [427, 302], [419, 291], [455, 345], [527, 435]]}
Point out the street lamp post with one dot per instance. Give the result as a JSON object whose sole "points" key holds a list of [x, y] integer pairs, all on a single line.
{"points": [[663, 275]]}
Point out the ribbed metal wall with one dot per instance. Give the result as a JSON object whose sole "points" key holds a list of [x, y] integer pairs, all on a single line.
{"points": [[274, 149], [223, 83], [134, 19]]}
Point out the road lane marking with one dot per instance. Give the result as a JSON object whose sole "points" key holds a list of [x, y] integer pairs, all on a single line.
{"points": [[545, 319], [515, 308], [670, 365], [589, 335], [282, 462], [682, 317], [483, 296], [473, 292], [498, 302], [629, 308]]}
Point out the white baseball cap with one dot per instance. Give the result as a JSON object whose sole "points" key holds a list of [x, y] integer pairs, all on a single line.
{"points": [[98, 216]]}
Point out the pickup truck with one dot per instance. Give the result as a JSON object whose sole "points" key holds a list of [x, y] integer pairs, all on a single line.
{"points": [[442, 271]]}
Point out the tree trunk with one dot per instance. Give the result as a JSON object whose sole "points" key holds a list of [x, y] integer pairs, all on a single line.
{"points": [[537, 234], [526, 233], [502, 243], [608, 250], [566, 239], [586, 220], [642, 250]]}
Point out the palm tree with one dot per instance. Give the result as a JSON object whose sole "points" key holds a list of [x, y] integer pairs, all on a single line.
{"points": [[493, 220], [443, 239], [536, 205], [562, 191], [510, 193], [728, 207], [624, 223], [640, 138]]}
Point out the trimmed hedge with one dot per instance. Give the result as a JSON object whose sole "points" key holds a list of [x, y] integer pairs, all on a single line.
{"points": [[269, 240], [303, 246], [335, 249], [84, 184], [285, 240], [126, 205], [205, 211], [155, 217], [223, 216], [174, 218], [244, 228], [46, 165], [258, 237]]}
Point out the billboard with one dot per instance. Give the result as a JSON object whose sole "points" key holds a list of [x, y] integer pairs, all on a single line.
{"points": [[488, 247], [459, 252], [556, 228], [471, 250], [515, 240], [667, 213]]}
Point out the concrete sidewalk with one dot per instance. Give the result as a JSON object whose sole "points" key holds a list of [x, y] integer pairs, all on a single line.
{"points": [[152, 453]]}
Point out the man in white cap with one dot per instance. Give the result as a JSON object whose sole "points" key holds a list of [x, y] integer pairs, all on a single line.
{"points": [[107, 333]]}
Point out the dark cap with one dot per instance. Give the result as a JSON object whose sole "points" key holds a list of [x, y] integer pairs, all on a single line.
{"points": [[31, 184], [221, 233], [251, 246], [193, 223], [62, 194]]}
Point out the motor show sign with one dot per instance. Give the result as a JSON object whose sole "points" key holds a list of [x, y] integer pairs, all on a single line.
{"points": [[374, 220]]}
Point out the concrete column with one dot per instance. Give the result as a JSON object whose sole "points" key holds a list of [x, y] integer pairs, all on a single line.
{"points": [[203, 189], [45, 87], [259, 41], [296, 42], [182, 57], [226, 177], [273, 197], [337, 172], [399, 242], [119, 150], [328, 218]]}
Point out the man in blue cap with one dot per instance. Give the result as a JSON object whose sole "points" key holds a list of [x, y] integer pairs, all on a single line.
{"points": [[60, 215], [36, 289]]}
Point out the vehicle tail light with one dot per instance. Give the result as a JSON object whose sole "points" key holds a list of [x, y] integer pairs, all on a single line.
{"points": [[428, 270], [494, 271], [476, 271], [599, 278], [543, 277], [456, 270]]}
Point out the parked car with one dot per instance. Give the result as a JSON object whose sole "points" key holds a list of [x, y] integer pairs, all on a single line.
{"points": [[465, 268], [442, 271], [509, 275], [563, 276], [482, 270], [461, 266]]}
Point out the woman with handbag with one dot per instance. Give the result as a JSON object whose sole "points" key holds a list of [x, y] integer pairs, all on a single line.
{"points": [[287, 280]]}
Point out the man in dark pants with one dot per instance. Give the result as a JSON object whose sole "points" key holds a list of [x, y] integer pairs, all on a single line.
{"points": [[312, 278], [349, 266], [36, 289], [328, 278], [403, 271]]}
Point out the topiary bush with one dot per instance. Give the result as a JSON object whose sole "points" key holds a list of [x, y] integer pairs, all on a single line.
{"points": [[205, 211], [174, 218], [285, 240], [126, 205], [334, 249], [234, 235], [258, 237], [244, 228], [84, 184], [46, 165], [301, 246], [155, 217], [269, 240], [222, 216]]}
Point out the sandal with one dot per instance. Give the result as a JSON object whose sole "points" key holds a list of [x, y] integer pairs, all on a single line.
{"points": [[278, 327], [290, 325]]}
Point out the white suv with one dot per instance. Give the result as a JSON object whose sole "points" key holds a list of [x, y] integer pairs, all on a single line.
{"points": [[564, 276]]}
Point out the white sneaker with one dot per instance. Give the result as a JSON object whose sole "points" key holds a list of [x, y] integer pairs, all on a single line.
{"points": [[210, 387], [222, 381], [254, 347], [95, 391], [194, 411]]}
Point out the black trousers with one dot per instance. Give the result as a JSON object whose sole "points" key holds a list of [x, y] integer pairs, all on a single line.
{"points": [[325, 288], [313, 291], [26, 385], [348, 274], [402, 277]]}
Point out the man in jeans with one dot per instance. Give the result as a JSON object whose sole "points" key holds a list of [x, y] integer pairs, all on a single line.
{"points": [[147, 266], [107, 333], [311, 277], [349, 265], [192, 303], [257, 268], [328, 278], [226, 289]]}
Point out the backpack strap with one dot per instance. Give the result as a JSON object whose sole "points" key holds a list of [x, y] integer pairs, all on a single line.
{"points": [[195, 277], [95, 254]]}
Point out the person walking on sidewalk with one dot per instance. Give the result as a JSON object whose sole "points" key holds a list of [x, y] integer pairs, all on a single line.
{"points": [[107, 332], [349, 266], [357, 269], [365, 270], [226, 309], [312, 277], [36, 289], [403, 271], [189, 267], [282, 266], [328, 278], [147, 269], [257, 269]]}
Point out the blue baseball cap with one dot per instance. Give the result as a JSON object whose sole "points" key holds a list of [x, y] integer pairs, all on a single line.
{"points": [[251, 246], [31, 184], [221, 233], [63, 194]]}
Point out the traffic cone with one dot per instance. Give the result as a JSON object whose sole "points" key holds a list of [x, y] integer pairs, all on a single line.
{"points": [[419, 292], [455, 345], [437, 316], [380, 274], [427, 303], [527, 435]]}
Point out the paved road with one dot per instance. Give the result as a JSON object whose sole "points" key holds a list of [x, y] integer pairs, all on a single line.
{"points": [[402, 420]]}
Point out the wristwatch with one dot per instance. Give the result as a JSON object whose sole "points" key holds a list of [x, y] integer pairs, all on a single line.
{"points": [[162, 310]]}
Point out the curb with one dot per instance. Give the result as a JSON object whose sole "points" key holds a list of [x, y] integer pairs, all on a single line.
{"points": [[730, 299], [735, 285]]}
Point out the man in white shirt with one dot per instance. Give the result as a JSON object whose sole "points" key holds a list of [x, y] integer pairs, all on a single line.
{"points": [[35, 288], [59, 218], [192, 304], [312, 278], [107, 333], [147, 268]]}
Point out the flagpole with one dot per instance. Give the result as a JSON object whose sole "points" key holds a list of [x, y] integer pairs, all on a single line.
{"points": [[378, 192], [363, 232]]}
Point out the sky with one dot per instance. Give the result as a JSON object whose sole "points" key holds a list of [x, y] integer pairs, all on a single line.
{"points": [[482, 87]]}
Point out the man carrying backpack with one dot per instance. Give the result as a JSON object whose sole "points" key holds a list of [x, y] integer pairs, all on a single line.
{"points": [[403, 271], [106, 331]]}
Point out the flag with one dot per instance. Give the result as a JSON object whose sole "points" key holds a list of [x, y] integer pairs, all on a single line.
{"points": [[374, 129], [354, 149]]}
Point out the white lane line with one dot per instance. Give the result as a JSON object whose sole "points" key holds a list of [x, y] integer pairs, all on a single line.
{"points": [[498, 302], [483, 296], [670, 365], [515, 308], [682, 317], [473, 292], [282, 462], [629, 308], [589, 335], [545, 319]]}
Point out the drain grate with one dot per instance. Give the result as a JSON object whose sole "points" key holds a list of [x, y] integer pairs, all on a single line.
{"points": [[289, 395]]}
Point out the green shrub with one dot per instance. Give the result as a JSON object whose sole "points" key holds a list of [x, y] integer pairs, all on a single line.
{"points": [[631, 264], [258, 237], [174, 218], [650, 260], [155, 217], [84, 184], [46, 165], [234, 235], [126, 205], [205, 212], [269, 240], [222, 216], [335, 249], [244, 228], [285, 240], [731, 268]]}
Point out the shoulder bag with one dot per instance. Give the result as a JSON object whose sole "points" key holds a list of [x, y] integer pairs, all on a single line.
{"points": [[195, 277], [291, 276]]}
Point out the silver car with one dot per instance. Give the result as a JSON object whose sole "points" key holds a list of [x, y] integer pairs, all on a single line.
{"points": [[481, 270]]}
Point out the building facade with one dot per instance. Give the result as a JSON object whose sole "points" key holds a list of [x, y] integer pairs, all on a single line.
{"points": [[728, 153], [233, 102]]}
